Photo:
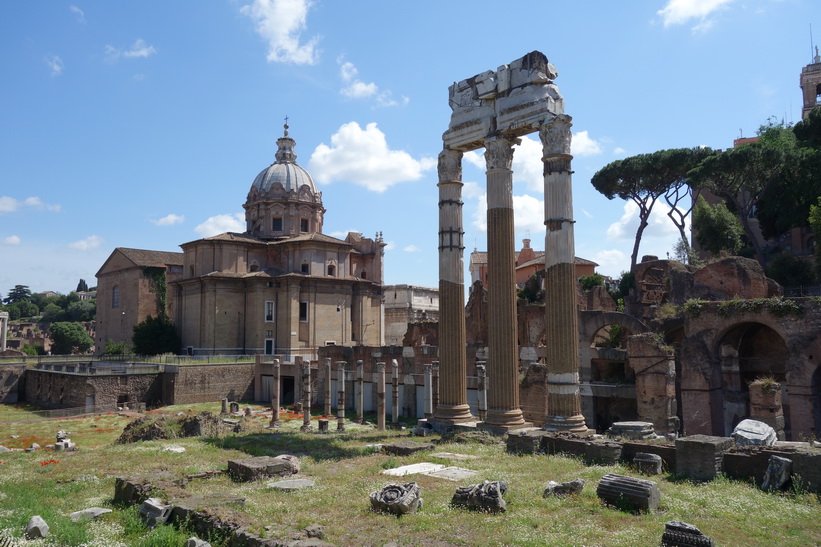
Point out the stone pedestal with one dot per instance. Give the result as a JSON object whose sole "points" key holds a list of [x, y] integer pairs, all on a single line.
{"points": [[701, 457], [561, 313]]}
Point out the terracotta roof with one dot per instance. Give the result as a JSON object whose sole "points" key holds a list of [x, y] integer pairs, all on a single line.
{"points": [[145, 257], [313, 236]]}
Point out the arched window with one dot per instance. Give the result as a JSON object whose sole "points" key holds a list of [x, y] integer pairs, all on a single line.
{"points": [[331, 270], [115, 297]]}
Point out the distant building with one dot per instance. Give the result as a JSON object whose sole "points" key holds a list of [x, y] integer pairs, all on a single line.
{"points": [[281, 287], [126, 295], [405, 304], [811, 85], [528, 262]]}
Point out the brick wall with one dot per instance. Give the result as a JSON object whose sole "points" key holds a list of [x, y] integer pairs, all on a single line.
{"points": [[185, 384], [11, 382]]}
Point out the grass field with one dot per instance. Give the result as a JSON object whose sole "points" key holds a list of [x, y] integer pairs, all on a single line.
{"points": [[54, 484]]}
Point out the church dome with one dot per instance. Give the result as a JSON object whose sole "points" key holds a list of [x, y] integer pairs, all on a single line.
{"points": [[283, 200], [284, 170]]}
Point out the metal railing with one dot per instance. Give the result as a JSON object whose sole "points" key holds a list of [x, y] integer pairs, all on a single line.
{"points": [[802, 290]]}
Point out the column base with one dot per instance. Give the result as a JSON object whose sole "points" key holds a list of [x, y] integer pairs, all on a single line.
{"points": [[453, 414], [569, 424], [505, 419]]}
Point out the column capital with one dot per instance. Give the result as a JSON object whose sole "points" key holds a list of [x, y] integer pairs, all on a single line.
{"points": [[556, 136], [450, 165], [499, 153]]}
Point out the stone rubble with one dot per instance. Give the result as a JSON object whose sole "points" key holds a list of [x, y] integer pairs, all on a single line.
{"points": [[36, 528], [398, 499], [486, 496]]}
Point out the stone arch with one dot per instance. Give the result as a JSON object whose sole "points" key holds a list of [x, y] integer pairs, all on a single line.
{"points": [[746, 351], [591, 322]]}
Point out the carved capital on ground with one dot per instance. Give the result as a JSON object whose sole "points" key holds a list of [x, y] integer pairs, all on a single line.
{"points": [[450, 165]]}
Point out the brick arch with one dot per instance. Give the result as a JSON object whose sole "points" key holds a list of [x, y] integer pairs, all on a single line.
{"points": [[591, 322]]}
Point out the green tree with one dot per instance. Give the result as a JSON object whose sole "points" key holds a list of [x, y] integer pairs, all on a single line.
{"points": [[815, 225], [790, 271], [154, 336], [69, 338], [20, 293], [82, 310], [587, 282], [82, 286], [52, 313], [116, 348], [716, 228], [645, 178]]}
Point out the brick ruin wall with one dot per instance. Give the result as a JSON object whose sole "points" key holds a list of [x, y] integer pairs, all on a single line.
{"points": [[11, 383], [57, 390], [185, 384]]}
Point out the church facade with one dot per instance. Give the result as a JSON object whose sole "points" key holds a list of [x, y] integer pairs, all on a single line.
{"points": [[281, 287]]}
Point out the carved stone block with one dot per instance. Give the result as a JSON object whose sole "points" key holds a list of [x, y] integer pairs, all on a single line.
{"points": [[486, 496], [398, 499], [641, 494]]}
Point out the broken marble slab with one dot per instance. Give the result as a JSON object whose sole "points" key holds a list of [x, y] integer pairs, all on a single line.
{"points": [[412, 469]]}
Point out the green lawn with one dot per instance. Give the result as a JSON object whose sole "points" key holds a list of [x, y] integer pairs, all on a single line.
{"points": [[346, 471]]}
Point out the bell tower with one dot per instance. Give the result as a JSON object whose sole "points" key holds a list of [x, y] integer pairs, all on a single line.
{"points": [[811, 85]]}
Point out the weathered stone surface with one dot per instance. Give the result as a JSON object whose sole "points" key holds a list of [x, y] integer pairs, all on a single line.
{"points": [[453, 456], [405, 448], [685, 535], [636, 431], [88, 514], [155, 512], [250, 469], [452, 473], [3, 449], [602, 452], [398, 499], [196, 542], [754, 433], [138, 488], [778, 473], [647, 464], [292, 484], [486, 496], [569, 488], [174, 449], [616, 489], [36, 528], [701, 457], [424, 467]]}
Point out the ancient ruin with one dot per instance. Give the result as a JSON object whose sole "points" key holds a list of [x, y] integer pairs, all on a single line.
{"points": [[492, 110]]}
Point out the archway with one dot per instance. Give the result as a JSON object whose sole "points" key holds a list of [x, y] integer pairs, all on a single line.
{"points": [[749, 351]]}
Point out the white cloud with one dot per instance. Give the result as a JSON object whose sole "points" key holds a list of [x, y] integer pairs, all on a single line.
{"points": [[139, 49], [472, 190], [679, 12], [659, 226], [390, 245], [12, 240], [81, 17], [611, 262], [354, 88], [528, 214], [362, 156], [87, 244], [10, 205], [168, 220], [527, 164], [411, 249], [583, 145], [476, 159], [220, 224], [280, 23], [55, 64], [619, 151]]}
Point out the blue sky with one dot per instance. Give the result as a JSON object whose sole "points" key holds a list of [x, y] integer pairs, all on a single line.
{"points": [[143, 124]]}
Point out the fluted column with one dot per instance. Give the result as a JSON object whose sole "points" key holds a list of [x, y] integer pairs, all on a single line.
{"points": [[452, 407], [561, 313], [503, 367]]}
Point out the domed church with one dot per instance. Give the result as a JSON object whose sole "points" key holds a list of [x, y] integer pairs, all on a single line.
{"points": [[282, 286]]}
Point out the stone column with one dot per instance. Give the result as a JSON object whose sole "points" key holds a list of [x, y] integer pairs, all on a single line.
{"points": [[561, 313], [481, 388], [452, 407], [503, 399], [4, 325], [306, 396], [340, 405], [434, 367], [395, 391], [380, 396], [428, 390], [327, 386], [360, 399], [275, 422]]}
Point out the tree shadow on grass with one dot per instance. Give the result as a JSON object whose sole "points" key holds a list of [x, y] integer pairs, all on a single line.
{"points": [[319, 446]]}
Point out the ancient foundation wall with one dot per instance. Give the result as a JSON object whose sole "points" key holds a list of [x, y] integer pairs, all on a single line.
{"points": [[11, 382], [64, 390], [205, 383]]}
